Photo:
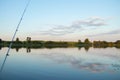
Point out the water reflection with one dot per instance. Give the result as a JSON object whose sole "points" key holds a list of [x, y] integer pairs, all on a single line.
{"points": [[61, 63], [17, 49], [0, 47], [116, 67], [86, 48], [96, 61], [28, 50], [79, 63], [2, 66]]}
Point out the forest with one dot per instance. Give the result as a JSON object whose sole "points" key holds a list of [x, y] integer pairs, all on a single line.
{"points": [[28, 43]]}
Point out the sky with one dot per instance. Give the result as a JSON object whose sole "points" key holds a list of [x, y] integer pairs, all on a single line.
{"points": [[61, 20]]}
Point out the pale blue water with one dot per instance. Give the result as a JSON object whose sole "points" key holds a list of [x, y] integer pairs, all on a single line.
{"points": [[61, 64]]}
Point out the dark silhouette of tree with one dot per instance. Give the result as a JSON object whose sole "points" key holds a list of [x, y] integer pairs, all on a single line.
{"points": [[52, 44], [96, 44], [0, 40], [17, 43], [102, 44], [28, 39], [117, 42], [0, 43], [17, 39], [87, 41], [79, 42]]}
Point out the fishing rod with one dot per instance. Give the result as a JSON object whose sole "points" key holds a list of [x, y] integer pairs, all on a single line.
{"points": [[17, 27]]}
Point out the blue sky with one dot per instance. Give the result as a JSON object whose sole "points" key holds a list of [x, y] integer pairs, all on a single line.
{"points": [[67, 20]]}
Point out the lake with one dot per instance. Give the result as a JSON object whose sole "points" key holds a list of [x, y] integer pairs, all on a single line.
{"points": [[60, 64]]}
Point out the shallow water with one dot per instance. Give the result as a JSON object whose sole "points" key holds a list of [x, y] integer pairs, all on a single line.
{"points": [[60, 64]]}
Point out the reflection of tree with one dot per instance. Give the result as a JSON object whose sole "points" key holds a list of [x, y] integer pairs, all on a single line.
{"points": [[0, 43], [0, 47], [118, 47], [17, 49], [28, 50], [86, 44], [79, 47], [0, 40], [87, 48]]}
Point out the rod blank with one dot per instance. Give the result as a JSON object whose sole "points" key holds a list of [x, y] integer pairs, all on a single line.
{"points": [[17, 28]]}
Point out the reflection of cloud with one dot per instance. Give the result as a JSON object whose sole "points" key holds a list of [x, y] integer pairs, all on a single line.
{"points": [[77, 62], [107, 33], [116, 66], [94, 67], [77, 25]]}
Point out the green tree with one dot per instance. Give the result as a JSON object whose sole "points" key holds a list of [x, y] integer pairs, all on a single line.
{"points": [[0, 40], [96, 44], [87, 41], [79, 42], [28, 39], [17, 39], [117, 42]]}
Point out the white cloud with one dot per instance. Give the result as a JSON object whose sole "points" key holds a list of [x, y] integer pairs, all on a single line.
{"points": [[93, 21], [77, 25], [106, 33]]}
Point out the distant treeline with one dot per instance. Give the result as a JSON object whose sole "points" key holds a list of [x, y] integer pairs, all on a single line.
{"points": [[51, 44]]}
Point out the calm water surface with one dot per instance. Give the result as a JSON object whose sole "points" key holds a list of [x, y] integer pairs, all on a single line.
{"points": [[60, 64]]}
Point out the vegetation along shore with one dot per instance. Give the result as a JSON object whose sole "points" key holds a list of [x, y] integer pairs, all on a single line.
{"points": [[52, 44]]}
